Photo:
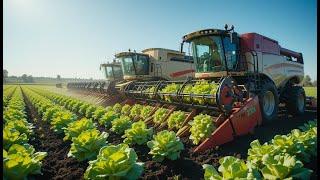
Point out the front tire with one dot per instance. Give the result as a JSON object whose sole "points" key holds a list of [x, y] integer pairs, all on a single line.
{"points": [[269, 102], [296, 103]]}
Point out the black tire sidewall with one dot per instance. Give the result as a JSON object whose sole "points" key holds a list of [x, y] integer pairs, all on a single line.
{"points": [[265, 88], [292, 102]]}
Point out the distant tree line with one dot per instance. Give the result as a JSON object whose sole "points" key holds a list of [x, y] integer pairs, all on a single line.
{"points": [[27, 79], [307, 82], [30, 79], [18, 79]]}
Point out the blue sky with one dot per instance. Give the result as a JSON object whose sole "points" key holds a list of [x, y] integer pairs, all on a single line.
{"points": [[72, 37]]}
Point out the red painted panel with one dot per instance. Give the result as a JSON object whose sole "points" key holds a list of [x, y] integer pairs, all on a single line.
{"points": [[180, 73], [259, 43], [243, 119], [221, 135], [247, 117], [247, 42]]}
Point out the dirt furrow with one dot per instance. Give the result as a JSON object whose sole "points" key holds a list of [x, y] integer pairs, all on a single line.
{"points": [[56, 165]]}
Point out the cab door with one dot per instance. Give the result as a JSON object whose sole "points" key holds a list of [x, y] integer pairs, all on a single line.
{"points": [[230, 53]]}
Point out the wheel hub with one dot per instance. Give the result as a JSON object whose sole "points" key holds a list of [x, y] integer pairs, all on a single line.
{"points": [[268, 103]]}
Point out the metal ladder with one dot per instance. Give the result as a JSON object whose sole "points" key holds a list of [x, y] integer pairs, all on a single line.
{"points": [[253, 77]]}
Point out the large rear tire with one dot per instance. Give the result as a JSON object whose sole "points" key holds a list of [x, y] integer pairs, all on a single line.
{"points": [[269, 102], [296, 103]]}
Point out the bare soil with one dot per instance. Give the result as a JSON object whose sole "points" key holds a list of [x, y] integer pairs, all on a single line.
{"points": [[57, 166]]}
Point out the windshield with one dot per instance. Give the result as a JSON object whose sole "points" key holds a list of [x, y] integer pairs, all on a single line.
{"points": [[135, 65], [108, 71], [117, 71], [112, 71], [208, 54]]}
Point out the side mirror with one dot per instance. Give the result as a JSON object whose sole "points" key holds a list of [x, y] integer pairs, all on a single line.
{"points": [[234, 38]]}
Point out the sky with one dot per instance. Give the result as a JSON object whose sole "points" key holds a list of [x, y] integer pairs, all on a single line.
{"points": [[73, 37]]}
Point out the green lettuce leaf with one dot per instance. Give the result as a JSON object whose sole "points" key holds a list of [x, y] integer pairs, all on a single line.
{"points": [[75, 128], [159, 115], [21, 160], [137, 134], [201, 128], [107, 118], [283, 166], [117, 108], [126, 110], [12, 136], [121, 124], [165, 144], [176, 119], [115, 162], [135, 110], [87, 145]]}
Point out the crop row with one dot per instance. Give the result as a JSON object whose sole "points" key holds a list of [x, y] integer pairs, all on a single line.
{"points": [[7, 87], [87, 141], [7, 93], [183, 123], [281, 158], [19, 157], [164, 145], [131, 122]]}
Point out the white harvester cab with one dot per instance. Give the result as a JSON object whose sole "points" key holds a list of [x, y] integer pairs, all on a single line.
{"points": [[169, 64], [155, 64], [112, 71]]}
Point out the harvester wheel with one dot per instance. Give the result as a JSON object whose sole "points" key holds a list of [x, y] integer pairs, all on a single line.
{"points": [[296, 103], [269, 102]]}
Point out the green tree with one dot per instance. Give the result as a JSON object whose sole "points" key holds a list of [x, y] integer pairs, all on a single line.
{"points": [[30, 79], [24, 78], [27, 79], [307, 81]]}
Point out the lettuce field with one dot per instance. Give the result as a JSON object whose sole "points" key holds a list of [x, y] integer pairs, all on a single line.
{"points": [[311, 91], [52, 133]]}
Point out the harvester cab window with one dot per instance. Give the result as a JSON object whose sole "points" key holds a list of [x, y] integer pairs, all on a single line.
{"points": [[128, 67], [208, 54], [108, 71], [230, 52], [142, 65], [117, 71], [135, 65]]}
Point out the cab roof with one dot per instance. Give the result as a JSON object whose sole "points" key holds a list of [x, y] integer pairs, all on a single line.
{"points": [[111, 64], [203, 32], [162, 49], [128, 54]]}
